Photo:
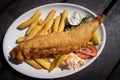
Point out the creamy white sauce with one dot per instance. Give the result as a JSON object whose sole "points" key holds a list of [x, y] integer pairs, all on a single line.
{"points": [[75, 18]]}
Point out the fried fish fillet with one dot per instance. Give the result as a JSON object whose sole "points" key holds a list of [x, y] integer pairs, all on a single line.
{"points": [[59, 43]]}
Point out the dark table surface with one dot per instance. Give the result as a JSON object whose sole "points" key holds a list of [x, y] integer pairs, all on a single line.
{"points": [[105, 67]]}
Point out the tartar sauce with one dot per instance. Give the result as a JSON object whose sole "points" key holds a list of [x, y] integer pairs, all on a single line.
{"points": [[75, 18]]}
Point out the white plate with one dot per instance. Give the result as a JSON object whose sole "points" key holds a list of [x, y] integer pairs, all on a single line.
{"points": [[12, 34]]}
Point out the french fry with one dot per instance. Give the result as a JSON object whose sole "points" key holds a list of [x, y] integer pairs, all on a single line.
{"points": [[47, 27], [33, 32], [43, 63], [56, 24], [31, 27], [95, 39], [49, 17], [30, 21], [20, 39], [33, 63], [57, 61], [40, 21], [63, 20]]}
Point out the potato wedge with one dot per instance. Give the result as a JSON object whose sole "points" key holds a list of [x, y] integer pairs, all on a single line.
{"points": [[30, 21]]}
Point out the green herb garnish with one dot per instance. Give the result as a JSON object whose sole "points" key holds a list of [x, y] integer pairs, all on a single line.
{"points": [[85, 19]]}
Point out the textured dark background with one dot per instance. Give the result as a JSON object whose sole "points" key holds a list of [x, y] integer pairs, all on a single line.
{"points": [[4, 4]]}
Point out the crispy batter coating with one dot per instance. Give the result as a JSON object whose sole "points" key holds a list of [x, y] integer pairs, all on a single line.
{"points": [[59, 43]]}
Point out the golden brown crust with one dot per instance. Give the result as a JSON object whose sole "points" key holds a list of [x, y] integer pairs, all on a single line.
{"points": [[58, 43]]}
